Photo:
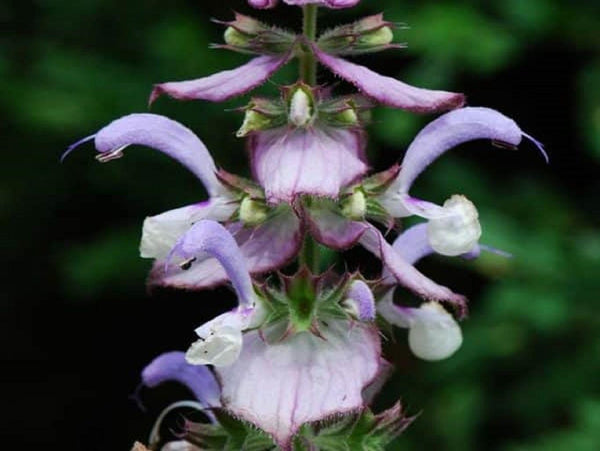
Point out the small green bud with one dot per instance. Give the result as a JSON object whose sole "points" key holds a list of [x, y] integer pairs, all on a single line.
{"points": [[254, 121], [355, 205], [381, 36], [253, 212], [235, 38], [347, 117]]}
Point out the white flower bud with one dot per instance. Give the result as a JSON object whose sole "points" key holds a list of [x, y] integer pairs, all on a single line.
{"points": [[459, 231], [355, 205], [300, 108], [434, 334]]}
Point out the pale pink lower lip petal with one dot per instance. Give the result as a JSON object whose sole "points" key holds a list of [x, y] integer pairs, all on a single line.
{"points": [[317, 161], [278, 387], [223, 85], [265, 247], [389, 91], [332, 229]]}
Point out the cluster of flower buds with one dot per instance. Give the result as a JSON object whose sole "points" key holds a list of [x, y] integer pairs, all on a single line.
{"points": [[304, 347]]}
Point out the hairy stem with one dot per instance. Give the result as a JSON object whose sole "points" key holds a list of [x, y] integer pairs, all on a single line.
{"points": [[308, 64]]}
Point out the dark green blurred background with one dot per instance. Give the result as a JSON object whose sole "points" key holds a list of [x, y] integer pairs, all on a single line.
{"points": [[79, 324]]}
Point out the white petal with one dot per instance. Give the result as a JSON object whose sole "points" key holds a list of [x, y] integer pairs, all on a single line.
{"points": [[434, 334], [459, 231], [221, 347], [161, 232]]}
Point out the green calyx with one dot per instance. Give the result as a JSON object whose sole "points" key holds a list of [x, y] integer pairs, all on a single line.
{"points": [[361, 430], [302, 303], [262, 114], [247, 35], [371, 34]]}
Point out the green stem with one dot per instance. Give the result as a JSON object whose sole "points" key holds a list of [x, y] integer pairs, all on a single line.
{"points": [[309, 255], [308, 64]]}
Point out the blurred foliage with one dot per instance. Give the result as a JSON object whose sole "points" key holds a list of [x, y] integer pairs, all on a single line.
{"points": [[527, 376]]}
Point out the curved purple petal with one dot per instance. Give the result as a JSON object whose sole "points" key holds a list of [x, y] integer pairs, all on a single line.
{"points": [[360, 293], [307, 378], [223, 85], [171, 366], [265, 247], [210, 237], [317, 161], [165, 135], [389, 91], [406, 274], [161, 232], [448, 131]]}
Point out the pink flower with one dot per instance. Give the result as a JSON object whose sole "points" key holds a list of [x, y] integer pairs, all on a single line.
{"points": [[336, 4]]}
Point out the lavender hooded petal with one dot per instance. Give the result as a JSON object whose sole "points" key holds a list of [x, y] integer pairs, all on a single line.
{"points": [[171, 366], [265, 247], [448, 131], [406, 274], [212, 239], [362, 299], [165, 135], [317, 161], [307, 378], [223, 85], [161, 232], [389, 91]]}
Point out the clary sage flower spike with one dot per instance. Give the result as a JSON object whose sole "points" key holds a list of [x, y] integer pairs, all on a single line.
{"points": [[303, 344]]}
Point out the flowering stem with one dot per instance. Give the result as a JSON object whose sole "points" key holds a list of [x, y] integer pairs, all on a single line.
{"points": [[308, 64], [309, 255]]}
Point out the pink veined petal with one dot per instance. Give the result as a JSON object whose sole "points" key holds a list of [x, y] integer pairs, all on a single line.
{"points": [[171, 366], [334, 4], [161, 232], [306, 378], [362, 295], [333, 230], [318, 161], [210, 237], [406, 274], [165, 135], [262, 4], [265, 247], [223, 85], [389, 91], [448, 131]]}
